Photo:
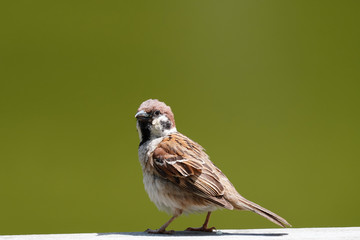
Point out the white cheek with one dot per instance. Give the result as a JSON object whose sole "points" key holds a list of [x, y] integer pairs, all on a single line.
{"points": [[156, 123], [157, 128]]}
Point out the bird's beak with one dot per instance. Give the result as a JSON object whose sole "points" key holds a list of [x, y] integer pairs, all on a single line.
{"points": [[142, 114]]}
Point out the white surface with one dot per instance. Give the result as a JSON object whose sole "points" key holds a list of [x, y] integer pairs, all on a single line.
{"points": [[252, 234]]}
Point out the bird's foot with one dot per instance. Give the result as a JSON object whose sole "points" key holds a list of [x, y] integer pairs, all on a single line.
{"points": [[160, 231], [201, 229]]}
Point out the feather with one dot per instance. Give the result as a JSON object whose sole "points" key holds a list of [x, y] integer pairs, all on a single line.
{"points": [[251, 206], [184, 163]]}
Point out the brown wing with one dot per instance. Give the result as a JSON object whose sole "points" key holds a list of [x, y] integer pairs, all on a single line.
{"points": [[184, 162]]}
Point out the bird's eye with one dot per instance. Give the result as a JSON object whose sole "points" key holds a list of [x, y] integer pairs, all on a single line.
{"points": [[157, 113]]}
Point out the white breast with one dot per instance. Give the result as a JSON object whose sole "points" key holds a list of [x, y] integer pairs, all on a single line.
{"points": [[166, 196], [146, 149]]}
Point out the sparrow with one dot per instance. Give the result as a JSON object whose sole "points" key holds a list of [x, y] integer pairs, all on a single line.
{"points": [[179, 176]]}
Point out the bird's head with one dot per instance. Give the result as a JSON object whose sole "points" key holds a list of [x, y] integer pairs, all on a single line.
{"points": [[154, 119]]}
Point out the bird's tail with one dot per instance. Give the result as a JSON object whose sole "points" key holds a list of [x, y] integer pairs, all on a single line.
{"points": [[244, 204]]}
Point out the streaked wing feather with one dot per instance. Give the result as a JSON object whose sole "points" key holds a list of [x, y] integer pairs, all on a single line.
{"points": [[184, 162]]}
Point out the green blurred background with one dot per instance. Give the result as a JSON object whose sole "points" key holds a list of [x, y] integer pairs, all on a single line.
{"points": [[269, 88]]}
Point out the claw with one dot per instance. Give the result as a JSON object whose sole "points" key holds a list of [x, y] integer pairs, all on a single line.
{"points": [[201, 229], [162, 230]]}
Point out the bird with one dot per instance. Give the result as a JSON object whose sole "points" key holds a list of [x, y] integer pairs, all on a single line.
{"points": [[179, 176]]}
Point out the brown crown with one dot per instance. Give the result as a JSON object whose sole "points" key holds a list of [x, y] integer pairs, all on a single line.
{"points": [[152, 105]]}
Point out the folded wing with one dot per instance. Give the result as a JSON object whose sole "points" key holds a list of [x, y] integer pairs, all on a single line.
{"points": [[184, 163]]}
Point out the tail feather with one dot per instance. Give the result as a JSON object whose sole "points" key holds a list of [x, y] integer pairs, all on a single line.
{"points": [[245, 204]]}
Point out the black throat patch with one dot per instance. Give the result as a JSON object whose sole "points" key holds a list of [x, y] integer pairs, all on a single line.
{"points": [[145, 131]]}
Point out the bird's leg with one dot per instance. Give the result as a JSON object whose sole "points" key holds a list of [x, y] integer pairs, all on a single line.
{"points": [[162, 230], [204, 227]]}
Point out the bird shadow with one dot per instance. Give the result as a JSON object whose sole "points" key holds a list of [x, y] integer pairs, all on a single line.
{"points": [[198, 234]]}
